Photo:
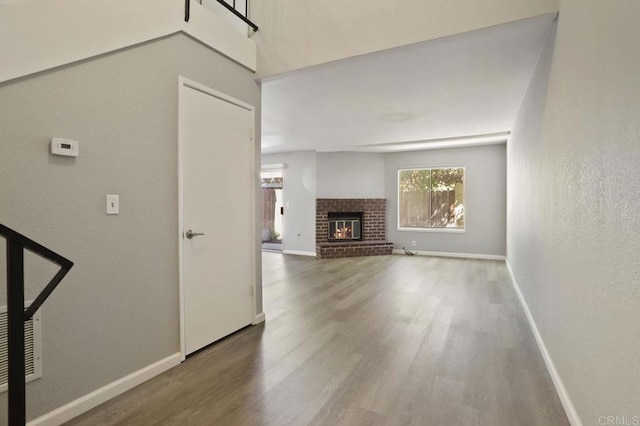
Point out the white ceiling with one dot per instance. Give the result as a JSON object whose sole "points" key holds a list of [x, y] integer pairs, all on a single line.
{"points": [[470, 84]]}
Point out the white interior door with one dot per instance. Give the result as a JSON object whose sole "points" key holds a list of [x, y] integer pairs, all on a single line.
{"points": [[217, 169]]}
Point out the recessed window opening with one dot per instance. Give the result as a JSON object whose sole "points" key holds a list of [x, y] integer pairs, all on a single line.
{"points": [[431, 198]]}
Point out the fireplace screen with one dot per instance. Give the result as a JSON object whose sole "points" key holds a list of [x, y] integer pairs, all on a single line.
{"points": [[345, 226]]}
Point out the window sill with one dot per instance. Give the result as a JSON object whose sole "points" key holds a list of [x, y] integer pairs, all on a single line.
{"points": [[445, 230]]}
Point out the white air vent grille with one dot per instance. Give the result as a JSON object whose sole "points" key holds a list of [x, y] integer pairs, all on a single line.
{"points": [[33, 361]]}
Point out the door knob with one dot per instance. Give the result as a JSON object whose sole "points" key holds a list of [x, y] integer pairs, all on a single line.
{"points": [[190, 234]]}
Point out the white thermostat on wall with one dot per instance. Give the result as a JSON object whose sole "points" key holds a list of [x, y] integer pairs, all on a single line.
{"points": [[65, 147]]}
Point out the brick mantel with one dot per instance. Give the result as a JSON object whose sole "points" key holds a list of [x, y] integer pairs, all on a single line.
{"points": [[373, 227]]}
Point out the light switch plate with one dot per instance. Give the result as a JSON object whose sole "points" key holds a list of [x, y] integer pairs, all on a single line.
{"points": [[113, 204]]}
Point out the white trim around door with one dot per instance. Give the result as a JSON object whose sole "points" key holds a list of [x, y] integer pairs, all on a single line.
{"points": [[186, 83]]}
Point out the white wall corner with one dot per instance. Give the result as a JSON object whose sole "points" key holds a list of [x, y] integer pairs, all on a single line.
{"points": [[261, 317], [569, 408], [38, 36], [105, 393], [211, 30]]}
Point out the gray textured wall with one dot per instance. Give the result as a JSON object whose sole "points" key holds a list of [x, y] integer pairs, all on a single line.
{"points": [[525, 170], [299, 194], [574, 197], [485, 203], [350, 175], [118, 309]]}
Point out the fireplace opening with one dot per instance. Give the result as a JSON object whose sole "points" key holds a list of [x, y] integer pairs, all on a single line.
{"points": [[345, 226]]}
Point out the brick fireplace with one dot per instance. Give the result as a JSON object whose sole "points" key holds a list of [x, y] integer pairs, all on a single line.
{"points": [[371, 241]]}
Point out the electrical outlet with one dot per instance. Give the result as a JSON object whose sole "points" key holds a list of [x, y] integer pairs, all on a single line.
{"points": [[413, 243]]}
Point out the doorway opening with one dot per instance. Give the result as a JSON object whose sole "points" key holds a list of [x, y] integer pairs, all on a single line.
{"points": [[272, 209]]}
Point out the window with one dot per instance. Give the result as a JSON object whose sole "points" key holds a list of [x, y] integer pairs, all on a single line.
{"points": [[431, 198]]}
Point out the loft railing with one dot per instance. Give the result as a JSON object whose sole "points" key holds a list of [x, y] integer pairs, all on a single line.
{"points": [[17, 315], [233, 8]]}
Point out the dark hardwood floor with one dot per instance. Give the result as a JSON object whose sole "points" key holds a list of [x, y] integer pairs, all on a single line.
{"points": [[392, 340]]}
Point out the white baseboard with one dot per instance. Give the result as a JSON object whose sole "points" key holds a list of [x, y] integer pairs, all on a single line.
{"points": [[447, 254], [569, 408], [259, 318], [300, 253], [99, 396], [272, 246]]}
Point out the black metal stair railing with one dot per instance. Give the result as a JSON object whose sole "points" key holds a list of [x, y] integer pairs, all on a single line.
{"points": [[17, 315], [230, 7]]}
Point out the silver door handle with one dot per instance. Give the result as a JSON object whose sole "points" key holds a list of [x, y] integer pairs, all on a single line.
{"points": [[190, 234]]}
